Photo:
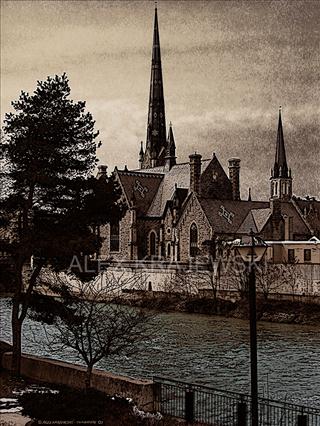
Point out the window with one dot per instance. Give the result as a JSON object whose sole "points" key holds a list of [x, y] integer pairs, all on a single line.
{"points": [[169, 250], [152, 243], [307, 255], [193, 240], [291, 256], [114, 236]]}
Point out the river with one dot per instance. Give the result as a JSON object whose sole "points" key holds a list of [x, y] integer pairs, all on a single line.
{"points": [[213, 351]]}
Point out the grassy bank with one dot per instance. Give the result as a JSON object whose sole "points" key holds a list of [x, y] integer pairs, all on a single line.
{"points": [[280, 311]]}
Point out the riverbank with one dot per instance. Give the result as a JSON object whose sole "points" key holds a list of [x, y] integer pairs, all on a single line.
{"points": [[276, 311]]}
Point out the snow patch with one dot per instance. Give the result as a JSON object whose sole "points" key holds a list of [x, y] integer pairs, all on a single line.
{"points": [[146, 415], [10, 410]]}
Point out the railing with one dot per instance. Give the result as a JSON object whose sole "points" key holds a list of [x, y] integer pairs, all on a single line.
{"points": [[208, 406]]}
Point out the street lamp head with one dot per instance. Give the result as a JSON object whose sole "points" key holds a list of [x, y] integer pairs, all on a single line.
{"points": [[251, 248]]}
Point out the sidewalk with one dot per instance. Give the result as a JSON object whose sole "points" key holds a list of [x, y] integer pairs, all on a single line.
{"points": [[13, 419]]}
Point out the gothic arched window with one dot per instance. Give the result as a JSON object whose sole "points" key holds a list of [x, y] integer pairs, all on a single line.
{"points": [[114, 236], [193, 240], [152, 243], [169, 249]]}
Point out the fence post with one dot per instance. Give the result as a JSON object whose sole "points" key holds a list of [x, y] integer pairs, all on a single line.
{"points": [[302, 420], [242, 414], [189, 405], [156, 396]]}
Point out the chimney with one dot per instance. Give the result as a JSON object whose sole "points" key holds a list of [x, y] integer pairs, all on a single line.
{"points": [[102, 171], [234, 176], [195, 172]]}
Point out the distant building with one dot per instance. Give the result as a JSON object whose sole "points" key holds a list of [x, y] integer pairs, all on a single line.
{"points": [[294, 252], [178, 210]]}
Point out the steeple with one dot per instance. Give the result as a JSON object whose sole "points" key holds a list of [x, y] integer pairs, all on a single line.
{"points": [[156, 126], [281, 180], [280, 168], [170, 157]]}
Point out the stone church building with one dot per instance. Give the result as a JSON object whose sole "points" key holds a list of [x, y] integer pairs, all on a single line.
{"points": [[176, 211]]}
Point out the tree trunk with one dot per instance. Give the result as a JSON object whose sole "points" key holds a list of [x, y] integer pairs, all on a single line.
{"points": [[88, 377], [19, 311], [16, 337]]}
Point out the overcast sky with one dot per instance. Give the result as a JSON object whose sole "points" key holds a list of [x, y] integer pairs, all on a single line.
{"points": [[227, 66]]}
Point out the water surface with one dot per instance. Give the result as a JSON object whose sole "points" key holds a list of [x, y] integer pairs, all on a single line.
{"points": [[213, 351]]}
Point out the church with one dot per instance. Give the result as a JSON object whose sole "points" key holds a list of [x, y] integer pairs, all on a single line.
{"points": [[176, 211]]}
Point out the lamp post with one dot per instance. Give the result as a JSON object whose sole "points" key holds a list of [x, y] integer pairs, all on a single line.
{"points": [[252, 253]]}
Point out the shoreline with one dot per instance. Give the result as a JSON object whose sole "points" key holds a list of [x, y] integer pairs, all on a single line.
{"points": [[270, 310]]}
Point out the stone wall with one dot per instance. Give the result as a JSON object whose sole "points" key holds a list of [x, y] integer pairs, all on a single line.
{"points": [[166, 276], [144, 229], [124, 248], [63, 373], [193, 213]]}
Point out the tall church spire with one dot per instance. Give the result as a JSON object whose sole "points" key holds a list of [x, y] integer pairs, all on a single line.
{"points": [[280, 168], [281, 181], [156, 127]]}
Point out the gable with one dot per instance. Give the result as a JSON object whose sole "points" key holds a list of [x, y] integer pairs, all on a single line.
{"points": [[215, 183], [309, 209], [256, 220], [193, 209], [299, 224], [139, 188]]}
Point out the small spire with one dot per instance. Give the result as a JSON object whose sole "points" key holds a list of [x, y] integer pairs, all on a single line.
{"points": [[170, 157], [249, 195], [141, 149], [170, 136]]}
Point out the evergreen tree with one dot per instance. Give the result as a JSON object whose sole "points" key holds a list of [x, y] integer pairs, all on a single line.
{"points": [[50, 203]]}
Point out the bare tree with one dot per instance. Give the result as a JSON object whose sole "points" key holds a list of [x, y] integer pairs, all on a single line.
{"points": [[210, 278], [291, 276], [234, 272], [87, 319], [270, 278], [278, 278], [185, 282]]}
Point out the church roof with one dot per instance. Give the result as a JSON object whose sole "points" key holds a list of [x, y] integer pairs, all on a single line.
{"points": [[139, 188], [256, 219], [299, 225], [310, 210], [226, 216], [178, 176]]}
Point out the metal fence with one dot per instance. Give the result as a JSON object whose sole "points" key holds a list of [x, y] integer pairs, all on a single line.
{"points": [[208, 406]]}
